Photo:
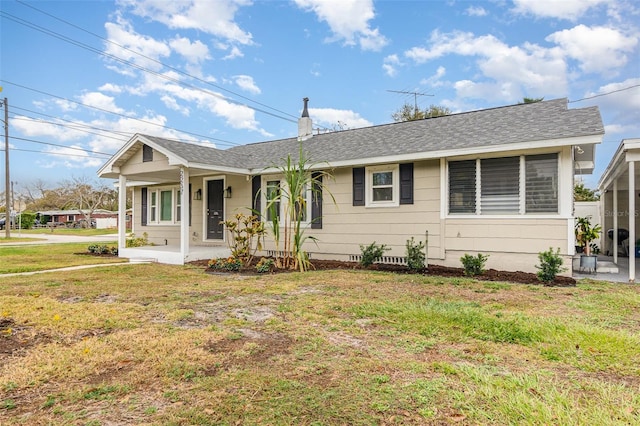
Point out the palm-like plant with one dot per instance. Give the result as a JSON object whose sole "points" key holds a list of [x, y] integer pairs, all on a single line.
{"points": [[298, 180], [585, 233]]}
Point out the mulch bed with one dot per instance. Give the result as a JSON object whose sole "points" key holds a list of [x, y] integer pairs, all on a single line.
{"points": [[432, 270]]}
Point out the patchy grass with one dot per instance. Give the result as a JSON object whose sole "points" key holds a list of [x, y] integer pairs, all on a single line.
{"points": [[30, 258], [14, 239], [160, 344]]}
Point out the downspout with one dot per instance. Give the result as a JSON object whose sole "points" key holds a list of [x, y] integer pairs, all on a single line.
{"points": [[632, 222], [122, 212], [185, 199]]}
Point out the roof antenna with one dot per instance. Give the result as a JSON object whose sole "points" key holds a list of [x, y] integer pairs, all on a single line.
{"points": [[415, 97]]}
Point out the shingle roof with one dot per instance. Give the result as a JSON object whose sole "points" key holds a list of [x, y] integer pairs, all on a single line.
{"points": [[540, 121]]}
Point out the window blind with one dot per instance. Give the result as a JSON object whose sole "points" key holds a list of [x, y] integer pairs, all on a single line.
{"points": [[500, 185], [541, 173]]}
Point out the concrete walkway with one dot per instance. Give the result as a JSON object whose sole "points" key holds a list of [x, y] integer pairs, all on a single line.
{"points": [[53, 238]]}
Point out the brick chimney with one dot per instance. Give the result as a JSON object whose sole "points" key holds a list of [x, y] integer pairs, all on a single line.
{"points": [[305, 130]]}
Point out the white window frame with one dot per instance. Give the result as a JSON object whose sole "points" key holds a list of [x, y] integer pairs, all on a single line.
{"points": [[522, 192], [175, 201], [264, 201], [395, 185]]}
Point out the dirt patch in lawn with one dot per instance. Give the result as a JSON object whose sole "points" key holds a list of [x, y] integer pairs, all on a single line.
{"points": [[432, 270]]}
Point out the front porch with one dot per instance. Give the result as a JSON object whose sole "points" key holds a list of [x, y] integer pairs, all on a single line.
{"points": [[607, 269], [172, 254]]}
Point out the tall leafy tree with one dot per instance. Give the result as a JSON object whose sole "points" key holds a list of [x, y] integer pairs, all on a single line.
{"points": [[409, 112], [582, 193]]}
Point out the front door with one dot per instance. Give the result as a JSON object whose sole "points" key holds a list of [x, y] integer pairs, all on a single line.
{"points": [[215, 209]]}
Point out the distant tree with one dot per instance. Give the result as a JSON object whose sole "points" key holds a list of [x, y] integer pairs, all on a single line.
{"points": [[526, 100], [409, 112], [581, 193]]}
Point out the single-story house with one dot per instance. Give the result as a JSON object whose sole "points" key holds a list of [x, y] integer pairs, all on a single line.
{"points": [[497, 181], [71, 216], [619, 187]]}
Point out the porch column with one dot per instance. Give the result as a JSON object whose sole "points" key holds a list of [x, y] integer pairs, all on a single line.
{"points": [[632, 222], [615, 221], [122, 212], [184, 212]]}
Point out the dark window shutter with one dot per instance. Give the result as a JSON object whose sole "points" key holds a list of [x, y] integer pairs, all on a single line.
{"points": [[358, 186], [255, 194], [316, 202], [190, 204], [406, 183], [147, 153], [143, 213]]}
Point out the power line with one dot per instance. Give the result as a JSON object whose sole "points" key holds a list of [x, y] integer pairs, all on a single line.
{"points": [[60, 146], [156, 61], [141, 68], [78, 128], [65, 154], [605, 94], [415, 96], [115, 113]]}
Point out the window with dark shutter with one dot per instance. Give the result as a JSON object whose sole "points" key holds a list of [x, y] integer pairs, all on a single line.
{"points": [[316, 201], [406, 183], [143, 209], [147, 153], [358, 186]]}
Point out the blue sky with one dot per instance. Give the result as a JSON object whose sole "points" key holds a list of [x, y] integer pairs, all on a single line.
{"points": [[82, 77]]}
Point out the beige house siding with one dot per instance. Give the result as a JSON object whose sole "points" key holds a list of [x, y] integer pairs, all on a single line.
{"points": [[345, 226], [508, 242]]}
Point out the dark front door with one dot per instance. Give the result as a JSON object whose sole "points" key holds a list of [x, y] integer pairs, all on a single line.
{"points": [[215, 209]]}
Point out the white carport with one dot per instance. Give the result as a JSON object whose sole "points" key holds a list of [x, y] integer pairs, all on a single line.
{"points": [[618, 186]]}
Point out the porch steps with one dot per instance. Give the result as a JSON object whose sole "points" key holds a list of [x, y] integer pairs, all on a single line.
{"points": [[603, 266]]}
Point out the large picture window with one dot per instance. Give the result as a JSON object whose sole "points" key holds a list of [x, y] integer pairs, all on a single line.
{"points": [[504, 186], [163, 205]]}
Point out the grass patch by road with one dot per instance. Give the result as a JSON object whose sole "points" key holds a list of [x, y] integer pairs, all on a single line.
{"points": [[161, 344], [14, 239], [31, 258], [67, 231]]}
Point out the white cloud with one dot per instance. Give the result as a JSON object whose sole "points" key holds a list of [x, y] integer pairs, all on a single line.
{"points": [[597, 49], [234, 53], [109, 87], [348, 20], [245, 82], [390, 65], [125, 41], [72, 157], [213, 17], [514, 71], [331, 117], [434, 80], [100, 101], [62, 131], [171, 103], [476, 11], [66, 105], [559, 9], [195, 52]]}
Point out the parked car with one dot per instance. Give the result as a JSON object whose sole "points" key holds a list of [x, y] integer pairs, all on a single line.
{"points": [[2, 223]]}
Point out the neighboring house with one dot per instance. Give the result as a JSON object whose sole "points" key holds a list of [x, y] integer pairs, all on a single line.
{"points": [[619, 187], [497, 181], [70, 216]]}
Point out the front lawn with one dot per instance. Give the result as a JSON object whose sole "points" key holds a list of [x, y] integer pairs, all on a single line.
{"points": [[29, 258], [160, 344]]}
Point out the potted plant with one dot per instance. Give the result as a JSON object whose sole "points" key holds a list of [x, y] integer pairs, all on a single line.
{"points": [[585, 234]]}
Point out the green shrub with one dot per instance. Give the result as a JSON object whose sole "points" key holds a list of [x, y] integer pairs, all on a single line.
{"points": [[372, 253], [225, 264], [134, 241], [26, 220], [102, 249], [473, 265], [550, 265], [265, 265], [415, 255]]}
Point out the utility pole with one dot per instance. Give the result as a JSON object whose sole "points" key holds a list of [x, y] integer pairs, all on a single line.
{"points": [[7, 181]]}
